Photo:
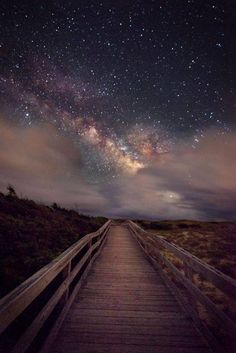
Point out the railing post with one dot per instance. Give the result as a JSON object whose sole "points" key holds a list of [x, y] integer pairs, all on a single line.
{"points": [[101, 235], [90, 244], [65, 275], [189, 275]]}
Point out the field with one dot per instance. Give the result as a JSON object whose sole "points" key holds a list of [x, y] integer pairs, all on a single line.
{"points": [[212, 242], [31, 235]]}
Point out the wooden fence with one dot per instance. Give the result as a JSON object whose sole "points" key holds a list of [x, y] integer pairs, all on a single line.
{"points": [[40, 303], [193, 298]]}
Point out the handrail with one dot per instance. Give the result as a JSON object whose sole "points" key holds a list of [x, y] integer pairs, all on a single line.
{"points": [[14, 303], [151, 242], [224, 282]]}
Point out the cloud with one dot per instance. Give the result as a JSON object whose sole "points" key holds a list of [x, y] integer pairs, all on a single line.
{"points": [[42, 164], [188, 183]]}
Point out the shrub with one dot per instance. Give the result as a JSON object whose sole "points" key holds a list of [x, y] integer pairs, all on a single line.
{"points": [[31, 235]]}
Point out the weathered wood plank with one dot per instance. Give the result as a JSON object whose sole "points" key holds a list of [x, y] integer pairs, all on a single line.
{"points": [[120, 348], [129, 292], [134, 339], [132, 329], [141, 321], [127, 313], [131, 307], [88, 299]]}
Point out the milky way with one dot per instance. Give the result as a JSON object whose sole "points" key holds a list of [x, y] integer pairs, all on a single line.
{"points": [[59, 99], [125, 81]]}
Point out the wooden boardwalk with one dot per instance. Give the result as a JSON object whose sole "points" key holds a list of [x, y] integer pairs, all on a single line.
{"points": [[125, 307]]}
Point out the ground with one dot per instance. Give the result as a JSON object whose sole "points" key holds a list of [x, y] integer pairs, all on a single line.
{"points": [[212, 242], [31, 235]]}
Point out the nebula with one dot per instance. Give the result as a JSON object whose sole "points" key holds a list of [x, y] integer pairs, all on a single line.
{"points": [[133, 90], [138, 147]]}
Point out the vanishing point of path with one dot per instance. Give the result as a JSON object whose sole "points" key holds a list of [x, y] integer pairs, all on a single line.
{"points": [[125, 307]]}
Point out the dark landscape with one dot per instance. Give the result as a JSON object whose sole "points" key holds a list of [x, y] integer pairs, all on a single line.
{"points": [[32, 234], [212, 242]]}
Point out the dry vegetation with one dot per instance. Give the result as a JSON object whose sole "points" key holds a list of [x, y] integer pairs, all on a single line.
{"points": [[31, 235], [212, 242]]}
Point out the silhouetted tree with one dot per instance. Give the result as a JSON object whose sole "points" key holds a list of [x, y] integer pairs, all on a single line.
{"points": [[11, 191], [55, 206]]}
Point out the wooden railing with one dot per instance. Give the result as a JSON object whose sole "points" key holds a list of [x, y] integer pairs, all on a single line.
{"points": [[181, 279], [40, 303]]}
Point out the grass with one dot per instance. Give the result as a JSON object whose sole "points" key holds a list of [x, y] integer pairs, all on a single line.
{"points": [[212, 242], [31, 235]]}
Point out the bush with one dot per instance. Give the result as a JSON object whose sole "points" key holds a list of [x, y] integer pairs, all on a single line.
{"points": [[184, 225], [31, 235], [161, 226]]}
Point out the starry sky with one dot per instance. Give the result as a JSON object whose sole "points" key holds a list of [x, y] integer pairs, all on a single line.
{"points": [[122, 93]]}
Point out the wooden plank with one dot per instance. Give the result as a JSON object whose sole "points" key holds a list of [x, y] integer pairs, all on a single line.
{"points": [[123, 268], [120, 348], [129, 292], [126, 313], [132, 284], [132, 329], [120, 271], [129, 339], [140, 321], [132, 293], [100, 299], [118, 278], [131, 307], [124, 339], [152, 290]]}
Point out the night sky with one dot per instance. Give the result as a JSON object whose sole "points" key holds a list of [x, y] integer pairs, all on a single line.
{"points": [[129, 87]]}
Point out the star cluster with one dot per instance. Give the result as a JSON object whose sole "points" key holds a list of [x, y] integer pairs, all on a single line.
{"points": [[124, 80]]}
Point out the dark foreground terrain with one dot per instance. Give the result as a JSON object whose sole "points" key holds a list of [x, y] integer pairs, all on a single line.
{"points": [[31, 235]]}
